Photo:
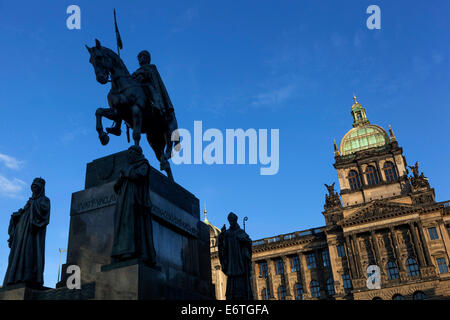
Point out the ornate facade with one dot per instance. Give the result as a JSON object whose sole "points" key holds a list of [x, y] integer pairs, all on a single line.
{"points": [[383, 217]]}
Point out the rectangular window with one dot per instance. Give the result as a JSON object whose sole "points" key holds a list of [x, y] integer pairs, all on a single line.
{"points": [[295, 264], [443, 268], [433, 233], [346, 281], [341, 250], [263, 269], [278, 266], [326, 258], [311, 261]]}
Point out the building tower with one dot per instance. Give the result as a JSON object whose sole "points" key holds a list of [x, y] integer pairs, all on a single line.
{"points": [[370, 166], [382, 218]]}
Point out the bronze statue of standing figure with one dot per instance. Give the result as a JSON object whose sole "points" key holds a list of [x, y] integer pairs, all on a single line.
{"points": [[140, 99], [235, 255], [133, 236], [27, 229]]}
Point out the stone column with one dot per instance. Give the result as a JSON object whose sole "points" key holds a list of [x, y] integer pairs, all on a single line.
{"points": [[301, 273], [306, 275], [362, 181], [374, 250], [380, 176], [255, 288], [285, 279], [374, 243], [269, 279], [417, 249], [424, 245], [361, 176], [400, 265], [358, 258], [320, 273], [351, 261]]}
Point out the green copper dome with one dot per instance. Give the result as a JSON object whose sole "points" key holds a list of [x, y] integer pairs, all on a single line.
{"points": [[363, 135]]}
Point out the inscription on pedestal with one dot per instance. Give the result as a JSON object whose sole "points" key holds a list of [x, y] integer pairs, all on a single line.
{"points": [[97, 198]]}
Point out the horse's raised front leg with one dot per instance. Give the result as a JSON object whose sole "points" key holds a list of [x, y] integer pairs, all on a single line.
{"points": [[108, 113], [115, 130], [137, 124]]}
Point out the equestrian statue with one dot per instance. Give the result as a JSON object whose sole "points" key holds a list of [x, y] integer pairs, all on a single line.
{"points": [[140, 100]]}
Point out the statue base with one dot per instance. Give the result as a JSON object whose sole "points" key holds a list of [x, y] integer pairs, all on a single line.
{"points": [[21, 291], [134, 280], [181, 240]]}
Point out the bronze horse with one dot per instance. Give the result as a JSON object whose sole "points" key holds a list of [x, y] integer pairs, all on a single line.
{"points": [[128, 102]]}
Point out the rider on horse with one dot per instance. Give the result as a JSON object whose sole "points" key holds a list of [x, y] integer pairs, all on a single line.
{"points": [[154, 88]]}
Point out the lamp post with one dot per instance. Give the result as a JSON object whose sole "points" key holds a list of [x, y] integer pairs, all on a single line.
{"points": [[59, 265]]}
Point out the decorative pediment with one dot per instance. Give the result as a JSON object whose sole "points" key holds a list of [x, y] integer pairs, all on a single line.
{"points": [[378, 209]]}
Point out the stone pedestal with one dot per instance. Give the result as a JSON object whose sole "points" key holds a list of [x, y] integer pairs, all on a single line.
{"points": [[130, 280], [20, 291], [181, 240]]}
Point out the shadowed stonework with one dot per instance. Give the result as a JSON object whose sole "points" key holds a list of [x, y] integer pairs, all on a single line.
{"points": [[181, 240]]}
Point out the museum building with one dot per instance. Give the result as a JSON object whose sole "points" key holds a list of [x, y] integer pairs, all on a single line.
{"points": [[382, 217]]}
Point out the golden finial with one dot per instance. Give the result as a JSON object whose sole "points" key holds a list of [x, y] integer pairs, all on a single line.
{"points": [[391, 133], [336, 150], [354, 98], [205, 212]]}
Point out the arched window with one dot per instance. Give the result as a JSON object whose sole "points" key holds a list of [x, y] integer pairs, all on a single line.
{"points": [[353, 180], [389, 171], [315, 289], [330, 287], [412, 267], [265, 294], [298, 291], [392, 270], [419, 295], [371, 175], [281, 293], [398, 297]]}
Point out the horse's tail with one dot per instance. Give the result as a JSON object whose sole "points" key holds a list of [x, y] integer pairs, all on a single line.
{"points": [[176, 138], [174, 135]]}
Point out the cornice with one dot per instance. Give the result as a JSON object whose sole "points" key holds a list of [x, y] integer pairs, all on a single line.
{"points": [[360, 217], [288, 243]]}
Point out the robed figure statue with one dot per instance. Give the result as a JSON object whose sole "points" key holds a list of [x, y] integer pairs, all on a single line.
{"points": [[133, 237], [235, 255], [26, 231]]}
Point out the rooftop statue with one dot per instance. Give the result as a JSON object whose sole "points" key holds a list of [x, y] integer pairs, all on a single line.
{"points": [[330, 189], [140, 100], [415, 169]]}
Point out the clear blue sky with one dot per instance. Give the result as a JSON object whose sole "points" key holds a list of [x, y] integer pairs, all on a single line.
{"points": [[287, 65]]}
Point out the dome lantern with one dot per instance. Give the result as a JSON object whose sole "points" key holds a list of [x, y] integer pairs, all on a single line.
{"points": [[359, 114], [363, 135]]}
